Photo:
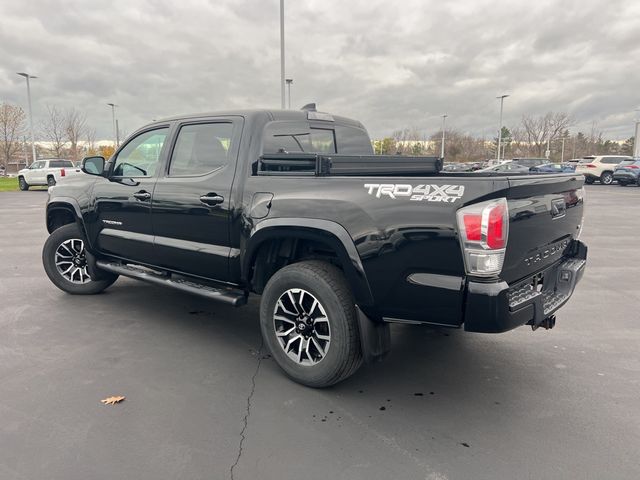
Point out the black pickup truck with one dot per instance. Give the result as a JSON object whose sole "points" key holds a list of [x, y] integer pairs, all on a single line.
{"points": [[339, 242]]}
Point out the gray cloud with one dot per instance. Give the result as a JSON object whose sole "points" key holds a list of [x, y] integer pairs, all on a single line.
{"points": [[389, 64]]}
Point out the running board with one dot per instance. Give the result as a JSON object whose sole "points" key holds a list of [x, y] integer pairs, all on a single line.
{"points": [[225, 295]]}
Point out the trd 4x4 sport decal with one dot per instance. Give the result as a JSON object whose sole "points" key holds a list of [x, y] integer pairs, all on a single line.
{"points": [[418, 193]]}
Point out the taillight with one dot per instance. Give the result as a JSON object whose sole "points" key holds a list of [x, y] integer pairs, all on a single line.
{"points": [[590, 165], [635, 167], [484, 229], [62, 172]]}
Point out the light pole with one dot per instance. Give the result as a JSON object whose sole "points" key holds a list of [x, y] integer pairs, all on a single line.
{"points": [[282, 54], [636, 140], [562, 154], [289, 82], [501, 97], [444, 118], [33, 139], [116, 140]]}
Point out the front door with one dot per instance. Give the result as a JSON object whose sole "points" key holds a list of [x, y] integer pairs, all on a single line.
{"points": [[191, 201], [123, 226]]}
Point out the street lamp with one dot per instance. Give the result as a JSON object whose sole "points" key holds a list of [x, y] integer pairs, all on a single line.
{"points": [[501, 97], [33, 139], [289, 82], [116, 137], [282, 54], [444, 117], [636, 140]]}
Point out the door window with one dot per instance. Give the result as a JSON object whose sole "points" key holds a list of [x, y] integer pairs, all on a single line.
{"points": [[140, 157], [201, 149]]}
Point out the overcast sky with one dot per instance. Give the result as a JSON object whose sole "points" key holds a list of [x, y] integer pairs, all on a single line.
{"points": [[388, 64]]}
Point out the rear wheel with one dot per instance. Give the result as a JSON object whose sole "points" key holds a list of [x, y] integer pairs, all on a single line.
{"points": [[606, 178], [22, 183], [51, 181], [64, 260], [308, 322]]}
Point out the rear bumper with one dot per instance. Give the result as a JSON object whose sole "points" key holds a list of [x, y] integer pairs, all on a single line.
{"points": [[497, 307]]}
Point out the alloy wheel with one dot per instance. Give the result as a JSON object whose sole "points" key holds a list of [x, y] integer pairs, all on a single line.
{"points": [[302, 327], [71, 261]]}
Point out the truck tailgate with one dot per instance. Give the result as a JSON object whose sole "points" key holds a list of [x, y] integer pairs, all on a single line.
{"points": [[545, 215]]}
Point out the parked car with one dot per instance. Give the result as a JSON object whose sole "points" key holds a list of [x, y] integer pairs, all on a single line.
{"points": [[338, 242], [47, 171], [554, 168], [530, 162], [599, 168], [627, 172], [457, 167], [506, 167]]}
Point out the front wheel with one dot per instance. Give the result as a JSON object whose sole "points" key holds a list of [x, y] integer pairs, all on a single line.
{"points": [[606, 178], [51, 182], [309, 324], [22, 183], [64, 260]]}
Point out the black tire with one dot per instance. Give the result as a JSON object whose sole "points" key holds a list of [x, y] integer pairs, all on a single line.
{"points": [[22, 183], [588, 180], [327, 284], [606, 178], [51, 182], [70, 232]]}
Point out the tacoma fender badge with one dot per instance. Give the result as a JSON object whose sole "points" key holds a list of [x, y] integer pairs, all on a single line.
{"points": [[111, 222]]}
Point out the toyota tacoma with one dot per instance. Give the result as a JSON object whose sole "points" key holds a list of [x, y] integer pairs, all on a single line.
{"points": [[295, 207]]}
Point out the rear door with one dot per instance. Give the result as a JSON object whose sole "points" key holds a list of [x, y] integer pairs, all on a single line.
{"points": [[191, 201]]}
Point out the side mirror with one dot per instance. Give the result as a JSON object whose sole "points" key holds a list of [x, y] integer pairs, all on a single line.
{"points": [[93, 165]]}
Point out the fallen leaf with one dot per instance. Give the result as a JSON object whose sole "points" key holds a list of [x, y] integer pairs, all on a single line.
{"points": [[112, 400]]}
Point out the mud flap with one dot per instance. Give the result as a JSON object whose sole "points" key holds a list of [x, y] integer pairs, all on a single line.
{"points": [[375, 338]]}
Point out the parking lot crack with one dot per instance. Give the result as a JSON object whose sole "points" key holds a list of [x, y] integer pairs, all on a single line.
{"points": [[247, 413]]}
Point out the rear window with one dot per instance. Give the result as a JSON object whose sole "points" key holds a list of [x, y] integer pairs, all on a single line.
{"points": [[353, 141], [291, 137], [60, 164], [587, 159]]}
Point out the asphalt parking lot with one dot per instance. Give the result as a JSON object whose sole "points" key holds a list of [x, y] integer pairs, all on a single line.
{"points": [[203, 399]]}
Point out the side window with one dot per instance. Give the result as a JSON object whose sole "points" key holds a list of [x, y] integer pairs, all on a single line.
{"points": [[58, 164], [353, 141], [37, 165], [140, 157], [612, 160], [201, 148]]}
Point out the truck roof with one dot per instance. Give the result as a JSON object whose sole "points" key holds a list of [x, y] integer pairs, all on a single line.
{"points": [[291, 115]]}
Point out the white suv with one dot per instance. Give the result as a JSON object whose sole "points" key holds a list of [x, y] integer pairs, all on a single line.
{"points": [[599, 168], [46, 172]]}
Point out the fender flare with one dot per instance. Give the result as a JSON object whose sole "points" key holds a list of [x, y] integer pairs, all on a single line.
{"points": [[326, 231]]}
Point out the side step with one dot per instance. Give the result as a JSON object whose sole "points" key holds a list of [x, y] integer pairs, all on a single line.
{"points": [[222, 294]]}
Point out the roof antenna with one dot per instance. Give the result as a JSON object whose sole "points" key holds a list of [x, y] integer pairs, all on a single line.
{"points": [[309, 107]]}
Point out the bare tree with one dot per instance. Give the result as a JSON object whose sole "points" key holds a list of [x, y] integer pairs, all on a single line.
{"points": [[12, 127], [538, 130], [90, 148], [54, 130], [75, 126]]}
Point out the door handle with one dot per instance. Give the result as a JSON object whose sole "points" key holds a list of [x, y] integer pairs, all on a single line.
{"points": [[142, 195], [212, 199]]}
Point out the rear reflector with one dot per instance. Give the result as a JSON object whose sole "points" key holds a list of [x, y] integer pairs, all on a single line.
{"points": [[484, 229], [62, 172]]}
